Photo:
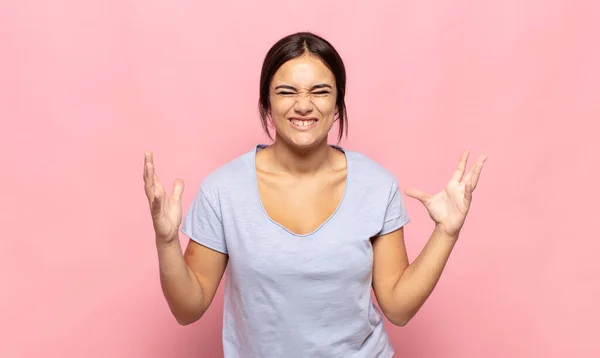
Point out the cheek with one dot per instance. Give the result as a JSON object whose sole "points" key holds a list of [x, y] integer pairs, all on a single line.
{"points": [[281, 106], [325, 106]]}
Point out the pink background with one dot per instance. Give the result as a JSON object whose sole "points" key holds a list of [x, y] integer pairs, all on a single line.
{"points": [[87, 86]]}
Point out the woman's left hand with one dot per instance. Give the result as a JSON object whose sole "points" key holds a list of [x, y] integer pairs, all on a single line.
{"points": [[449, 207]]}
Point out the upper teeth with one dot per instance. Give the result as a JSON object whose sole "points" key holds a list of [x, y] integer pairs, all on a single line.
{"points": [[303, 123]]}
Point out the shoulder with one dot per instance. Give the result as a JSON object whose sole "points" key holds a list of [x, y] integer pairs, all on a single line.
{"points": [[233, 175], [368, 170]]}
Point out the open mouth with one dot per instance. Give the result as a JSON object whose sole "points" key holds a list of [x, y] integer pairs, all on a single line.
{"points": [[303, 123]]}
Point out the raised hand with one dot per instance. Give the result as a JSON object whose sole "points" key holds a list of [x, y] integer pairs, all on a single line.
{"points": [[165, 209], [449, 207]]}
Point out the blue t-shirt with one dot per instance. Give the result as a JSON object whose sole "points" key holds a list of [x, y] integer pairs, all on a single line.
{"points": [[290, 295]]}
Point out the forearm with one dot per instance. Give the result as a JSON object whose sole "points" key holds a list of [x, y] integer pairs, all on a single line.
{"points": [[180, 286], [420, 278]]}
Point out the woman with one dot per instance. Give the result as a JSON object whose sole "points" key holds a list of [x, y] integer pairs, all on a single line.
{"points": [[303, 228]]}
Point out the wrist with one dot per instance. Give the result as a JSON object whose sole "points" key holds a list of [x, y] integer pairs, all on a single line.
{"points": [[446, 234], [166, 241]]}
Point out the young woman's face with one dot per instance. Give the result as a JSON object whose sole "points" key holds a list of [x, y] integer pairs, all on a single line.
{"points": [[303, 101]]}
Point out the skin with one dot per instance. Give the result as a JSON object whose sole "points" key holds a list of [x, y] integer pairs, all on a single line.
{"points": [[301, 181]]}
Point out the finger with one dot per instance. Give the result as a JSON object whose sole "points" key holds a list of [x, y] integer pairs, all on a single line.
{"points": [[417, 194], [158, 188], [467, 177], [178, 187], [149, 175], [159, 197], [156, 206], [152, 172], [474, 178], [460, 168], [468, 193], [147, 159]]}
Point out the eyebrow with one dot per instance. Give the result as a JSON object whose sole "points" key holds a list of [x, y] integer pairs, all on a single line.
{"points": [[321, 85]]}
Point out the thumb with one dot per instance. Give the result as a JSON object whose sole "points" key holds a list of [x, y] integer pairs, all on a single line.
{"points": [[178, 187], [417, 194]]}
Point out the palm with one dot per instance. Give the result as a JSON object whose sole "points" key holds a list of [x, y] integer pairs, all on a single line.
{"points": [[165, 209], [450, 206], [165, 212]]}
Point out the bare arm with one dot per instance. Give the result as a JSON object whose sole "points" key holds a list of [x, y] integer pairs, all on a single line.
{"points": [[189, 280], [401, 289]]}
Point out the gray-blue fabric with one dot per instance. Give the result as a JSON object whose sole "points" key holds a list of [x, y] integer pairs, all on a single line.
{"points": [[290, 295]]}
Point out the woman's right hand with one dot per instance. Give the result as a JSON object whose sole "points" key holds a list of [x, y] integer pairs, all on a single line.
{"points": [[165, 209]]}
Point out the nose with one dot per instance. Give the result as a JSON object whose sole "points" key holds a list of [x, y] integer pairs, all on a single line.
{"points": [[303, 105]]}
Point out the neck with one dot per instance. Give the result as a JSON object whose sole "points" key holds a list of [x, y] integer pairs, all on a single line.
{"points": [[301, 162]]}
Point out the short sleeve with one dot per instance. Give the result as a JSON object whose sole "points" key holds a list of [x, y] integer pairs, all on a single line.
{"points": [[395, 215], [203, 223]]}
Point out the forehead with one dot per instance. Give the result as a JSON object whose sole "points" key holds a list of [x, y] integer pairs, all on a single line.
{"points": [[303, 71]]}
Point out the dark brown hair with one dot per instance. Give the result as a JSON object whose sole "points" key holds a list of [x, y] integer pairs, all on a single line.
{"points": [[294, 46]]}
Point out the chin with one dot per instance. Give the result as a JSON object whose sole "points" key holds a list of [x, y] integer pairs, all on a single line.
{"points": [[306, 143], [301, 140]]}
